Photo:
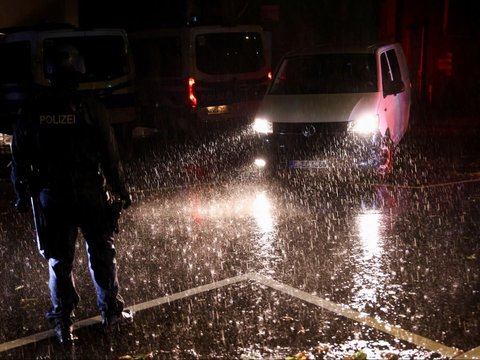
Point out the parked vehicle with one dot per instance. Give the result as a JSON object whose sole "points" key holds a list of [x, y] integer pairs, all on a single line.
{"points": [[25, 63], [191, 77], [334, 106]]}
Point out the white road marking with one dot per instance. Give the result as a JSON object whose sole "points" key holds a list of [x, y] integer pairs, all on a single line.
{"points": [[345, 311], [430, 186], [469, 355], [187, 293], [26, 340], [341, 310], [137, 307]]}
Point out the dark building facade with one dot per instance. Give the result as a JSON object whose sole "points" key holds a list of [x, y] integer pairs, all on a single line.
{"points": [[442, 43]]}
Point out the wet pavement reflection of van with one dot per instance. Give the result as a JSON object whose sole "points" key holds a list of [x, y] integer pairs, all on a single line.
{"points": [[336, 106], [191, 76]]}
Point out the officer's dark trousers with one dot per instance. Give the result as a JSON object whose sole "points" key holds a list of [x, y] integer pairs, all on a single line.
{"points": [[62, 213]]}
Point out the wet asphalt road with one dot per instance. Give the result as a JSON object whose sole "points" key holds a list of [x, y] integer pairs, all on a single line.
{"points": [[221, 262]]}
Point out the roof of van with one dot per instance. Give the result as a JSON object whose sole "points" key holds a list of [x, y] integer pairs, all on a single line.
{"points": [[339, 49], [38, 27], [50, 27], [161, 31]]}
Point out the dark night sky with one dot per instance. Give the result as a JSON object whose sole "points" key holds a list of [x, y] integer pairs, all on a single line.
{"points": [[150, 13], [145, 13]]}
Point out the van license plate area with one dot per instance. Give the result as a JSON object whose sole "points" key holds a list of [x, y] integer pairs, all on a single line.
{"points": [[307, 164], [214, 110]]}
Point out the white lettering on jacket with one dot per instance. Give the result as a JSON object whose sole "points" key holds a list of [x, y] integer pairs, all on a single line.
{"points": [[58, 119]]}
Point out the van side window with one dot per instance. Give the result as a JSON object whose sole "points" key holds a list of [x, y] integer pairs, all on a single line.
{"points": [[15, 64], [386, 73], [394, 67], [391, 75], [158, 57]]}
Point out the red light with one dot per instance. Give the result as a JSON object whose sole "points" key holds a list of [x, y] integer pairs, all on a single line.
{"points": [[270, 75], [191, 92]]}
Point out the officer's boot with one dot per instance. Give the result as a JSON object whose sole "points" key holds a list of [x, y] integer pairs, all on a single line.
{"points": [[63, 330], [117, 320]]}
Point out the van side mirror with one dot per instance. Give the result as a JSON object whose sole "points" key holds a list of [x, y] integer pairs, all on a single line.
{"points": [[393, 87]]}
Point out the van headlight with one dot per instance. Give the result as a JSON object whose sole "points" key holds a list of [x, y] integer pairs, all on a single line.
{"points": [[364, 125], [260, 163], [262, 126]]}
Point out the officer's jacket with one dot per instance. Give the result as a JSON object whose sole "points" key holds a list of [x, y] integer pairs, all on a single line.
{"points": [[63, 140]]}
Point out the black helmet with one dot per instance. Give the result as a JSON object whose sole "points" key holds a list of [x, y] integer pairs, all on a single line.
{"points": [[66, 65], [68, 58]]}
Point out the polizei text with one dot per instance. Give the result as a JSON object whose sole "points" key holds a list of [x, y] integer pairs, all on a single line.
{"points": [[57, 119]]}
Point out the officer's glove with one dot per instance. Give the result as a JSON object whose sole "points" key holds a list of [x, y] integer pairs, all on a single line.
{"points": [[126, 202], [22, 204], [126, 199]]}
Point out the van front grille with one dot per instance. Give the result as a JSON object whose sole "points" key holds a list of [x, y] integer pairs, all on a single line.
{"points": [[311, 129]]}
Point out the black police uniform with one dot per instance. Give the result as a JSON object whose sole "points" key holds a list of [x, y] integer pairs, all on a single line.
{"points": [[63, 151]]}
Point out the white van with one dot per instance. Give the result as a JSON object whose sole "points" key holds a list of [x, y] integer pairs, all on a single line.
{"points": [[330, 101], [25, 63], [200, 75]]}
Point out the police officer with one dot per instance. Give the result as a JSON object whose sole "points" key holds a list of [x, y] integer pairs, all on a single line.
{"points": [[65, 158]]}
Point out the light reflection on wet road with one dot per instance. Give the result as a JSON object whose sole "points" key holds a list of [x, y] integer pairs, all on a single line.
{"points": [[381, 250], [406, 253]]}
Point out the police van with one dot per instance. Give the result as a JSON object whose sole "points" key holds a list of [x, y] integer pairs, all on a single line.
{"points": [[334, 106], [193, 77], [25, 63]]}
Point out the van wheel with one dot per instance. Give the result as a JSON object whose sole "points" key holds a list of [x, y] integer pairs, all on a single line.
{"points": [[385, 156]]}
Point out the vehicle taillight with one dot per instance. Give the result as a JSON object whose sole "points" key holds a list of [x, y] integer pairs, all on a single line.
{"points": [[269, 75], [191, 92]]}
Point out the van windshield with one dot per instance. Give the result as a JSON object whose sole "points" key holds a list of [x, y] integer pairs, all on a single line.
{"points": [[105, 56], [326, 74], [229, 53]]}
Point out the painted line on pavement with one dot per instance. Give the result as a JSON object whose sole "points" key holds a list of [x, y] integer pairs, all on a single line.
{"points": [[135, 308], [345, 311], [338, 309], [187, 293], [26, 340], [429, 186], [469, 355]]}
